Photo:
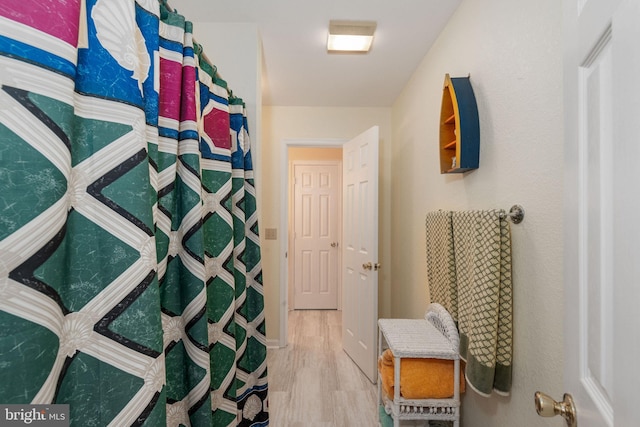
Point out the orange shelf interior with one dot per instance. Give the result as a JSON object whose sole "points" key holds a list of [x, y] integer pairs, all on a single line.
{"points": [[450, 119]]}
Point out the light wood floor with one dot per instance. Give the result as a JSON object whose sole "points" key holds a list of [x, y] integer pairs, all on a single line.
{"points": [[312, 382]]}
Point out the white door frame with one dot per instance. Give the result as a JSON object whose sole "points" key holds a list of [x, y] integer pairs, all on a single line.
{"points": [[284, 221]]}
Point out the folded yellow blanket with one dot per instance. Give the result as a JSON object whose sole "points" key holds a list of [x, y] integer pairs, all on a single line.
{"points": [[419, 378]]}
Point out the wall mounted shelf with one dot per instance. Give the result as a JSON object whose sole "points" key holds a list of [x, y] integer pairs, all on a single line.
{"points": [[459, 127]]}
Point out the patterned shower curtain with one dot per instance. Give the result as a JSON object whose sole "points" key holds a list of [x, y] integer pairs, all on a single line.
{"points": [[130, 278]]}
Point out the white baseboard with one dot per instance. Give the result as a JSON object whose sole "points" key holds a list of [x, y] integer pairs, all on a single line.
{"points": [[273, 343]]}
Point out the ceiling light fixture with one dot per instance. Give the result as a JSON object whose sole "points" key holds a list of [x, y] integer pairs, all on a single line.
{"points": [[350, 36]]}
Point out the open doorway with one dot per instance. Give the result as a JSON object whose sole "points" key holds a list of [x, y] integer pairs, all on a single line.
{"points": [[299, 150], [315, 228], [359, 253]]}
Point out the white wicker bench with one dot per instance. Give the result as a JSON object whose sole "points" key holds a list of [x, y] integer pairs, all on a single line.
{"points": [[434, 337]]}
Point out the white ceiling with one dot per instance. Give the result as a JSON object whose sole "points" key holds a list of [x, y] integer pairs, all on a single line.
{"points": [[297, 69]]}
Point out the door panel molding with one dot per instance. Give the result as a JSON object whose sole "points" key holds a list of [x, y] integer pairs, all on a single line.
{"points": [[316, 217], [601, 201], [360, 284]]}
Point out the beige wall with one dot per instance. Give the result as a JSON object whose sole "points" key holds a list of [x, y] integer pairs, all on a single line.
{"points": [[312, 153], [513, 52], [322, 126]]}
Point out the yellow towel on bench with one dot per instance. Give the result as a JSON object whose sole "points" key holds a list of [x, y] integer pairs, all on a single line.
{"points": [[419, 378]]}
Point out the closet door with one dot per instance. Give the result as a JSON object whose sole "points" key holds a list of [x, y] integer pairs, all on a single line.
{"points": [[316, 244]]}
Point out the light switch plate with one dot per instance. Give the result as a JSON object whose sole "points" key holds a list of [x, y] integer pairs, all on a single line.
{"points": [[270, 233]]}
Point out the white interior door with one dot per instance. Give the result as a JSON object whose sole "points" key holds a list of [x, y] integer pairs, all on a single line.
{"points": [[602, 235], [360, 250], [316, 242]]}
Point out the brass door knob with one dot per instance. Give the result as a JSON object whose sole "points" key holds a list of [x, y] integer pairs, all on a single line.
{"points": [[547, 407], [367, 266]]}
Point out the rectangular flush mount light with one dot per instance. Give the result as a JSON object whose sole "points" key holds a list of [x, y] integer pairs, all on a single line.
{"points": [[350, 36]]}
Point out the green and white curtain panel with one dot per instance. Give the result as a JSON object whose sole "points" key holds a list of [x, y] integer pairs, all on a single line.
{"points": [[130, 278]]}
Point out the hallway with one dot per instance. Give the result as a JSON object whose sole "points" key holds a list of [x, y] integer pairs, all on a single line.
{"points": [[312, 382]]}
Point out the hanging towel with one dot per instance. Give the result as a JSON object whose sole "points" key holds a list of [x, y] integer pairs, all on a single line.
{"points": [[482, 251], [441, 267]]}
